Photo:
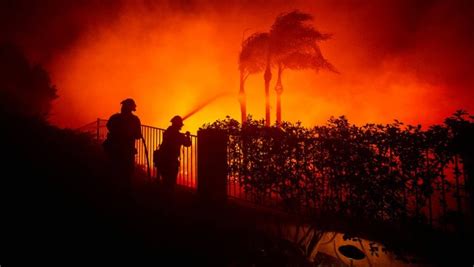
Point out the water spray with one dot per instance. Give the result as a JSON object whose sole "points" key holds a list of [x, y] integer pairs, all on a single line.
{"points": [[202, 104]]}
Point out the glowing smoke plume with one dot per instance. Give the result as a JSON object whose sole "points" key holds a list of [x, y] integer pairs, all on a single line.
{"points": [[410, 60]]}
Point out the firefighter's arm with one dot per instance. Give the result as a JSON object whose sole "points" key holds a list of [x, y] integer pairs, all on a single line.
{"points": [[138, 130], [111, 123]]}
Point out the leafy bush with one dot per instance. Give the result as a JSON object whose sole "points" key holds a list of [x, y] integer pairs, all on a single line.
{"points": [[380, 172]]}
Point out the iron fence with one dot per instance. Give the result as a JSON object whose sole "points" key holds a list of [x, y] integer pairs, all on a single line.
{"points": [[382, 173], [152, 139]]}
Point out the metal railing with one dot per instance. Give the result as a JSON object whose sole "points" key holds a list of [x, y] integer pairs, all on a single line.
{"points": [[319, 189], [153, 138], [434, 192]]}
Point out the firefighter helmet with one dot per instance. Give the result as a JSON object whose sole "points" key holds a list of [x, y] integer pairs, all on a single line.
{"points": [[177, 120], [129, 103]]}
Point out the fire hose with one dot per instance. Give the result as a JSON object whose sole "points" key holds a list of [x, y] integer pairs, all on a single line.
{"points": [[146, 156]]}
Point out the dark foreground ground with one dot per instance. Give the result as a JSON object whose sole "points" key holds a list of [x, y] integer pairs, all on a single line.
{"points": [[60, 206], [151, 229]]}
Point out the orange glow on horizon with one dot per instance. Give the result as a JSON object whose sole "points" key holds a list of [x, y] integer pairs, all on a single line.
{"points": [[171, 63]]}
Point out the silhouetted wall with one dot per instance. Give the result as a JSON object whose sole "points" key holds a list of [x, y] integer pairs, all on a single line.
{"points": [[212, 165]]}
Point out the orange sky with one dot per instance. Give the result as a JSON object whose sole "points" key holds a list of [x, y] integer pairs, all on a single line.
{"points": [[398, 59]]}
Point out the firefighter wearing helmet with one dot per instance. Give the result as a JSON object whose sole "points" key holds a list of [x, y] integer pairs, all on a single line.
{"points": [[123, 129], [166, 158]]}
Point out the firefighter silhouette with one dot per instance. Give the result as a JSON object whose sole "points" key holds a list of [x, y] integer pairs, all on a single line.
{"points": [[166, 158], [123, 129]]}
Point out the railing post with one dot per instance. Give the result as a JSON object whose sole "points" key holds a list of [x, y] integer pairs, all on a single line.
{"points": [[212, 165]]}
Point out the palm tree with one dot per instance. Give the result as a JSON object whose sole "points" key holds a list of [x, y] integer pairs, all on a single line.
{"points": [[294, 45], [251, 61], [267, 76]]}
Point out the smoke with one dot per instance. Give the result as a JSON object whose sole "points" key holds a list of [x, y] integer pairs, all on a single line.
{"points": [[404, 59], [46, 28]]}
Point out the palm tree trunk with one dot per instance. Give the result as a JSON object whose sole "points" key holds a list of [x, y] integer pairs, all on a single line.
{"points": [[242, 99], [279, 91], [267, 76]]}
